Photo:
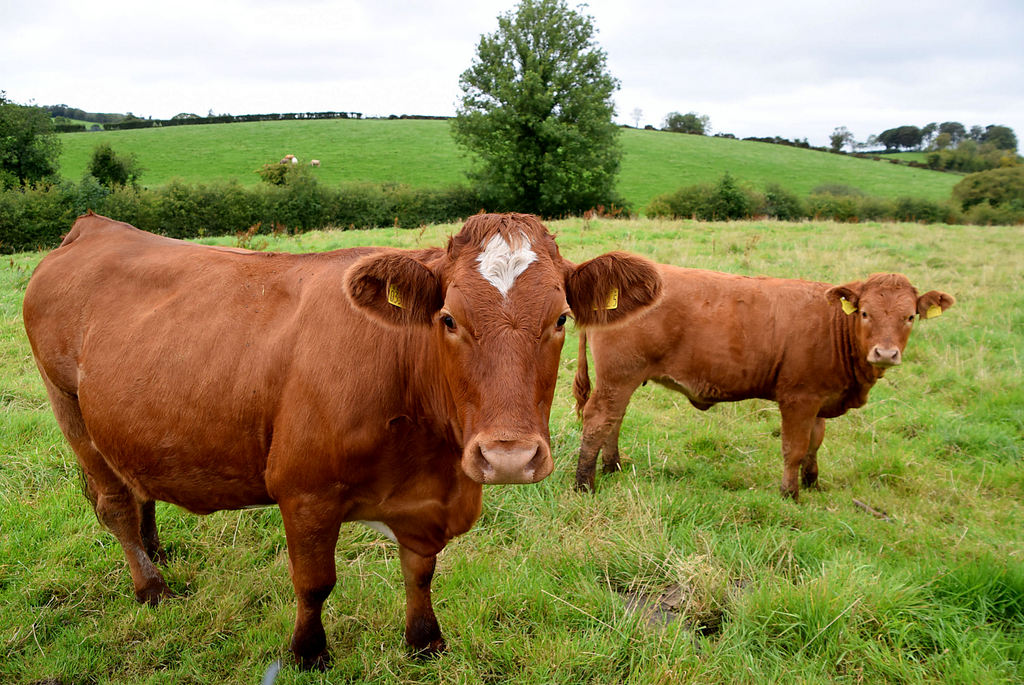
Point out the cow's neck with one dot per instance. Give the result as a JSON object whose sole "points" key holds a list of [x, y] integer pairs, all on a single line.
{"points": [[858, 376]]}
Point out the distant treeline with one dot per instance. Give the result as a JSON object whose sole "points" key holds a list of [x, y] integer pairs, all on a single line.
{"points": [[129, 122], [82, 115]]}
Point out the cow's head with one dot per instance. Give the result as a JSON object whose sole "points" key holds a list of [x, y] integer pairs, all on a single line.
{"points": [[884, 308], [498, 301]]}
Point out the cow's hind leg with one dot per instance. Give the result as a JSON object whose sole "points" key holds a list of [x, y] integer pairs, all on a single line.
{"points": [[602, 416], [311, 528], [115, 504], [809, 474], [150, 537], [421, 630], [611, 458]]}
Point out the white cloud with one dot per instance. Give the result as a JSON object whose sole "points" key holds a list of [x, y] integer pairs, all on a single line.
{"points": [[797, 68]]}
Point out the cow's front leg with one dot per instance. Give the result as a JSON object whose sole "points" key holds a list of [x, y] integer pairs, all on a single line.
{"points": [[798, 420], [311, 528], [810, 461], [421, 630]]}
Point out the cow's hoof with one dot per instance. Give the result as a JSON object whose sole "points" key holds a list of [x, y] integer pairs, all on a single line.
{"points": [[430, 650], [318, 662], [153, 593], [790, 492], [584, 485], [809, 480]]}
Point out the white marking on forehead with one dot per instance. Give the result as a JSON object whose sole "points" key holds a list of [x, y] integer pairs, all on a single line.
{"points": [[501, 263]]}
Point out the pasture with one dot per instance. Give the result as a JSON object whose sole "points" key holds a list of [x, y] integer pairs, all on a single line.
{"points": [[686, 567], [421, 153]]}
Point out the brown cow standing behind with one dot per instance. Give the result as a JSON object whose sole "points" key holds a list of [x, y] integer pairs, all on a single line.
{"points": [[813, 348], [367, 384]]}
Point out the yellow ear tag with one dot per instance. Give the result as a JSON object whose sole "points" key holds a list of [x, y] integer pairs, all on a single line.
{"points": [[848, 307], [933, 311], [612, 302], [393, 296]]}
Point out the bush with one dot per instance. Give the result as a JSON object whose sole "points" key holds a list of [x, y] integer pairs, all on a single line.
{"points": [[781, 204], [834, 207], [997, 187], [729, 201], [985, 214], [723, 201], [34, 218], [925, 211], [112, 169]]}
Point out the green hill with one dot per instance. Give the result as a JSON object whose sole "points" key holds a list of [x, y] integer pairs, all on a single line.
{"points": [[421, 153]]}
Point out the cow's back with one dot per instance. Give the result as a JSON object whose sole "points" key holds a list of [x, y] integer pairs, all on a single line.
{"points": [[177, 354]]}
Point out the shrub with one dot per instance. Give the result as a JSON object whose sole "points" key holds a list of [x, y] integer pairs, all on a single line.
{"points": [[686, 203], [1003, 186], [835, 207], [729, 201], [113, 170], [921, 210], [781, 204], [985, 214]]}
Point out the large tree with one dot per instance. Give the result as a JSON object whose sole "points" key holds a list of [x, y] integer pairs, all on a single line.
{"points": [[537, 111], [691, 122], [29, 148]]}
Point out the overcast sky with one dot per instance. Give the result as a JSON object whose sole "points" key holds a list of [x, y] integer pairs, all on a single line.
{"points": [[794, 68]]}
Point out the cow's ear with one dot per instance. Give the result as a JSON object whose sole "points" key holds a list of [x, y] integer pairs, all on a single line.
{"points": [[395, 288], [847, 295], [611, 287], [933, 303]]}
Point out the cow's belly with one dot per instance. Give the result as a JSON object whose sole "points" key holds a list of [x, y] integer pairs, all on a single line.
{"points": [[202, 451], [704, 392]]}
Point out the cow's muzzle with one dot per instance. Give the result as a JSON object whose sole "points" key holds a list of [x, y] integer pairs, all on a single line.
{"points": [[491, 461], [884, 357]]}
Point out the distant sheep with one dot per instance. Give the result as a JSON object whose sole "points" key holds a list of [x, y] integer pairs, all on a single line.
{"points": [[314, 162], [289, 158]]}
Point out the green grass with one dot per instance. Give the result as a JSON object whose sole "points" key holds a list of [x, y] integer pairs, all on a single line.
{"points": [[422, 154], [762, 589]]}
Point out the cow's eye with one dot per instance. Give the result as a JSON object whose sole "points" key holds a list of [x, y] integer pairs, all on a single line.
{"points": [[448, 321], [910, 319], [561, 321], [863, 314]]}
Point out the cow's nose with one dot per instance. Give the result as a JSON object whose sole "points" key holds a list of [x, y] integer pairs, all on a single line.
{"points": [[884, 356], [508, 461]]}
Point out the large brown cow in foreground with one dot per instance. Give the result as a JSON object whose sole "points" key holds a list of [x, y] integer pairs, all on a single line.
{"points": [[814, 348], [369, 384]]}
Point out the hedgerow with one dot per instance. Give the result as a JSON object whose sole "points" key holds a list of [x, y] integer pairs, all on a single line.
{"points": [[37, 217], [730, 200]]}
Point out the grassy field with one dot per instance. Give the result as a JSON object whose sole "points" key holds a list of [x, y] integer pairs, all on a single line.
{"points": [[422, 153], [686, 567]]}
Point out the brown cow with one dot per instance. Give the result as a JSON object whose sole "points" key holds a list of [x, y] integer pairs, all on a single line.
{"points": [[813, 348], [369, 384]]}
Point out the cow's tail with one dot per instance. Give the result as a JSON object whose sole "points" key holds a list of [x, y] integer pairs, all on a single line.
{"points": [[581, 384]]}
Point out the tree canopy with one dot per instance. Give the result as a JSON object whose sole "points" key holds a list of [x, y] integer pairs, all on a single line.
{"points": [[537, 110], [29, 148], [691, 122]]}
